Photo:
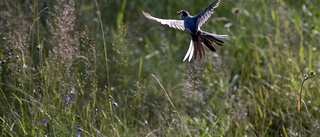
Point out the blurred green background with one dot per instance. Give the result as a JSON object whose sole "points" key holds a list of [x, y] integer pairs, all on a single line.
{"points": [[100, 68]]}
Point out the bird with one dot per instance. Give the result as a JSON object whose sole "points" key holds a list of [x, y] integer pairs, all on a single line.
{"points": [[192, 24]]}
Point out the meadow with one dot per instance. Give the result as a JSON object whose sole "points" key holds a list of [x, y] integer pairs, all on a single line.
{"points": [[100, 68]]}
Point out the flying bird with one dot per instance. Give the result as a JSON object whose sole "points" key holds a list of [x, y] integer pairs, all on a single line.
{"points": [[192, 24]]}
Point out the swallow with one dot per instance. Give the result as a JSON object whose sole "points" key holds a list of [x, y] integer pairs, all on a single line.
{"points": [[192, 24]]}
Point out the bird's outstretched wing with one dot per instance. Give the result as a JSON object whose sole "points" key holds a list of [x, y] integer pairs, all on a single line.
{"points": [[204, 15], [177, 24]]}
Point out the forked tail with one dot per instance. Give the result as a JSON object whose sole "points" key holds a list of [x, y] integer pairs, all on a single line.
{"points": [[202, 38]]}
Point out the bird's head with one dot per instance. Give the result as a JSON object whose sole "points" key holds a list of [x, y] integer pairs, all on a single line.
{"points": [[183, 13]]}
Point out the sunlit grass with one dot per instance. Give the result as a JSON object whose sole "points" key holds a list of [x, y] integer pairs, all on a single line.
{"points": [[100, 68]]}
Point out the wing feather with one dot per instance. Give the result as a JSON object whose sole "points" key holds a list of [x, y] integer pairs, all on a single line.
{"points": [[177, 24], [204, 15]]}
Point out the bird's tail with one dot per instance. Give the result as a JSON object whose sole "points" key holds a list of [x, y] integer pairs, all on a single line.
{"points": [[203, 38]]}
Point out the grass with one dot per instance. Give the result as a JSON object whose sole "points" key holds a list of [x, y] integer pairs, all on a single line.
{"points": [[99, 68]]}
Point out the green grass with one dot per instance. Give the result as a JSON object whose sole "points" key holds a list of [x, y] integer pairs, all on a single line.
{"points": [[100, 68]]}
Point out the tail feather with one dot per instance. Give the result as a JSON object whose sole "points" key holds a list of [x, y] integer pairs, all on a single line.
{"points": [[202, 38], [198, 48], [189, 52], [202, 51], [196, 51], [206, 41], [212, 38], [217, 35]]}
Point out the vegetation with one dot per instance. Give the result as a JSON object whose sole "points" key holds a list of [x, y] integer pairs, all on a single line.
{"points": [[100, 68]]}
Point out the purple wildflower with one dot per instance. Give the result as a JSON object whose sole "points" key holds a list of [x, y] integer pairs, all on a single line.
{"points": [[67, 99], [43, 122]]}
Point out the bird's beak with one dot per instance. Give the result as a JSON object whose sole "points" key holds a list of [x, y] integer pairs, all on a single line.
{"points": [[178, 12]]}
